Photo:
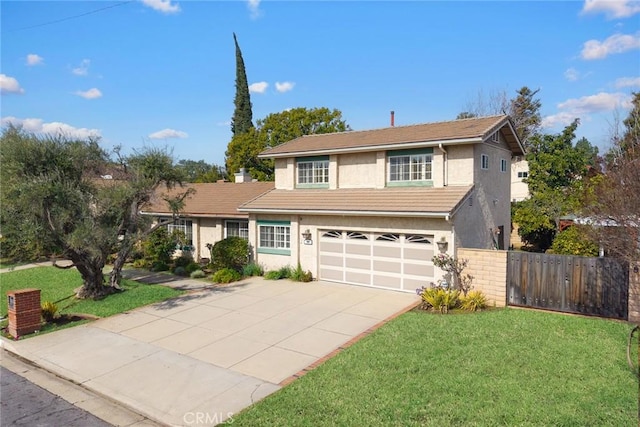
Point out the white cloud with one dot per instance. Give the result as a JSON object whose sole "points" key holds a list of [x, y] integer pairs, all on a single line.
{"points": [[163, 6], [284, 86], [254, 8], [612, 8], [617, 43], [33, 59], [9, 85], [258, 87], [627, 82], [574, 108], [92, 93], [571, 74], [51, 128], [168, 133], [82, 69]]}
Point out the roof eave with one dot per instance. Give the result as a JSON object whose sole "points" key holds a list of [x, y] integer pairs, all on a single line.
{"points": [[369, 148], [347, 212]]}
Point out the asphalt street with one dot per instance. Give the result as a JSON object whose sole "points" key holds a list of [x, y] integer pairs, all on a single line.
{"points": [[23, 403]]}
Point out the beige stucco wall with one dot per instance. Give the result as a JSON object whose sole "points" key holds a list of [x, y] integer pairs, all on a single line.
{"points": [[357, 170], [284, 170], [634, 293], [460, 164], [489, 271]]}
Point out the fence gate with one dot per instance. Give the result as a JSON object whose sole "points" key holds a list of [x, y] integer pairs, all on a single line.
{"points": [[573, 284]]}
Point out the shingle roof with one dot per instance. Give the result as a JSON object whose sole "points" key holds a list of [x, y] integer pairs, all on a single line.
{"points": [[394, 201], [455, 131], [216, 199]]}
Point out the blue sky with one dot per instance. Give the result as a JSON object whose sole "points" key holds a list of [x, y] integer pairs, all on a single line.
{"points": [[162, 72]]}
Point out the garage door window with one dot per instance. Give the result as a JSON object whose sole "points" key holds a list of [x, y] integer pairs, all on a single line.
{"points": [[275, 237], [416, 238]]}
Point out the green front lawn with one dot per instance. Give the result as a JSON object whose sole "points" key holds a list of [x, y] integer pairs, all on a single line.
{"points": [[58, 286], [501, 367]]}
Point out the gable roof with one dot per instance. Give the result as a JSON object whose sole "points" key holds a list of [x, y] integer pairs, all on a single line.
{"points": [[212, 199], [395, 201], [474, 130]]}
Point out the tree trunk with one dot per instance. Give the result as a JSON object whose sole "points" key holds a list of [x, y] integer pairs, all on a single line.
{"points": [[116, 274], [93, 285]]}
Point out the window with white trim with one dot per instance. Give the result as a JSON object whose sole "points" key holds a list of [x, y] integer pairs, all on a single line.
{"points": [[237, 229], [484, 161], [503, 165], [523, 174], [185, 226], [495, 137], [275, 236], [313, 171], [410, 167]]}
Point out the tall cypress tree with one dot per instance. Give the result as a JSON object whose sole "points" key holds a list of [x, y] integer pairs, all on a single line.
{"points": [[242, 116]]}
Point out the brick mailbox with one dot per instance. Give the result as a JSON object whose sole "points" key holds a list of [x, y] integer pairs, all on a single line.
{"points": [[24, 311]]}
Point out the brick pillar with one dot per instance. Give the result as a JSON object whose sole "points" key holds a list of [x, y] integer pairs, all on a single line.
{"points": [[634, 292], [24, 311]]}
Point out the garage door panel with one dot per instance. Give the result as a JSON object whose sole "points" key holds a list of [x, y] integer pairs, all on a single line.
{"points": [[386, 281], [328, 274], [351, 249], [387, 266], [331, 247], [387, 252], [424, 270], [358, 278], [330, 260], [358, 263], [412, 284], [418, 253]]}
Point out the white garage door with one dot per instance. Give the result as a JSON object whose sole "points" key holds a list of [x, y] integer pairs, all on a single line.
{"points": [[385, 260]]}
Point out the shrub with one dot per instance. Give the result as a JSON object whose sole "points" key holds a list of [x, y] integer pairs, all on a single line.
{"points": [[453, 268], [182, 261], [439, 299], [197, 274], [49, 311], [180, 271], [473, 301], [573, 241], [232, 252], [252, 269], [226, 275], [159, 246], [282, 273], [159, 266], [299, 275], [191, 267], [141, 263]]}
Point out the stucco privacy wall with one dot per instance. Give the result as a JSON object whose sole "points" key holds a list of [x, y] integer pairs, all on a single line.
{"points": [[634, 293], [489, 271]]}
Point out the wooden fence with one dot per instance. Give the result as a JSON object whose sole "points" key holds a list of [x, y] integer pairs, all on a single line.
{"points": [[573, 284]]}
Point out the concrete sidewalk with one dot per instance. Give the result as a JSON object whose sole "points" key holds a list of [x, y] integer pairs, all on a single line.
{"points": [[202, 357]]}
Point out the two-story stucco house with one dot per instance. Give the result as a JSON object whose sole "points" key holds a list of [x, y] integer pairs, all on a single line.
{"points": [[370, 207]]}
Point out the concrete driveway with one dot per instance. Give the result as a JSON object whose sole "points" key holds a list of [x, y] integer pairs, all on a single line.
{"points": [[200, 358]]}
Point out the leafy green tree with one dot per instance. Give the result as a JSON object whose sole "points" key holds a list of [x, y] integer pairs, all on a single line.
{"points": [[275, 129], [52, 191], [242, 118], [574, 241], [200, 171], [557, 173]]}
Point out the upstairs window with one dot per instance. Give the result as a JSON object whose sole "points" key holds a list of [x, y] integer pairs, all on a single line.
{"points": [[313, 172], [503, 165], [523, 174], [411, 166], [484, 161]]}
